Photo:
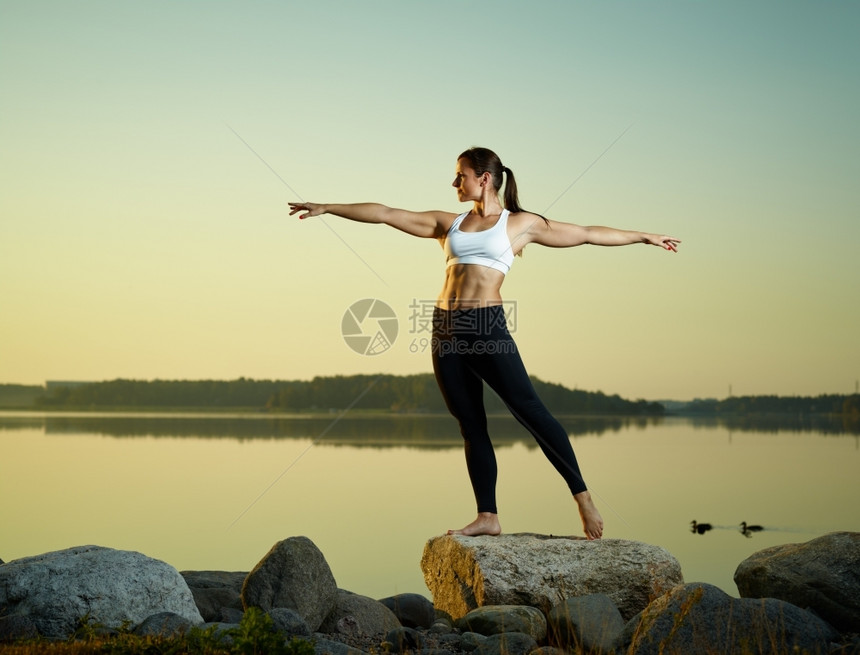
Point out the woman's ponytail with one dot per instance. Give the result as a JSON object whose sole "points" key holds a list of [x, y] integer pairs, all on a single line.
{"points": [[512, 201]]}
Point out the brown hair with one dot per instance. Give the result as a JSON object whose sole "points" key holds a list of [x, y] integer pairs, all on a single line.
{"points": [[484, 160]]}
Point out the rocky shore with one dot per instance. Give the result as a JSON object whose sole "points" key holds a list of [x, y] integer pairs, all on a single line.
{"points": [[508, 595]]}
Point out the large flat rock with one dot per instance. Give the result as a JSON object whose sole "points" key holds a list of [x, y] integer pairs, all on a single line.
{"points": [[464, 573]]}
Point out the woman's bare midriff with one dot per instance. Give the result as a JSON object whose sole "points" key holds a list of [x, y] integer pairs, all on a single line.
{"points": [[469, 285]]}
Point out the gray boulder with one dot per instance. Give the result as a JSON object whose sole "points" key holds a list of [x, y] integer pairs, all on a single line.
{"points": [[463, 573], [359, 615], [215, 590], [293, 574], [702, 618], [822, 575], [111, 587], [469, 641], [507, 643], [590, 623], [412, 610], [496, 619], [288, 622], [231, 615], [441, 626]]}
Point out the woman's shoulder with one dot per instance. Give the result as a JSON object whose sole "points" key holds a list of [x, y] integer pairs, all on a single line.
{"points": [[523, 220]]}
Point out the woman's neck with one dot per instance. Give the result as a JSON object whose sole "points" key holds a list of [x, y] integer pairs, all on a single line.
{"points": [[487, 206]]}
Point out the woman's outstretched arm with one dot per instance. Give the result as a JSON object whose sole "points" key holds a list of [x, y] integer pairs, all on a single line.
{"points": [[555, 234], [431, 224]]}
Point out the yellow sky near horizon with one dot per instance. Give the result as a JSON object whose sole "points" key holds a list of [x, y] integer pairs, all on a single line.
{"points": [[140, 237]]}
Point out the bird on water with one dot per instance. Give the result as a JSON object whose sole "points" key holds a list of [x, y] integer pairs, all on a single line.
{"points": [[700, 528], [747, 530]]}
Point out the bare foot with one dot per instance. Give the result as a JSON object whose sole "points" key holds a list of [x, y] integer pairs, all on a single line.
{"points": [[592, 522], [486, 523]]}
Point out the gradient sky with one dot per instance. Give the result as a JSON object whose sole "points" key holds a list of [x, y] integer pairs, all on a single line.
{"points": [[141, 238]]}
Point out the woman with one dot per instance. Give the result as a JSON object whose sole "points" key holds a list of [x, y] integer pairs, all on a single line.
{"points": [[471, 342]]}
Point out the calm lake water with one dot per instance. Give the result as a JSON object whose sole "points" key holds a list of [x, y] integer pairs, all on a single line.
{"points": [[217, 491]]}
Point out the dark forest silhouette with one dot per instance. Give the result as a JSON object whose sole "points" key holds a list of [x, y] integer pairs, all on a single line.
{"points": [[389, 393], [400, 394]]}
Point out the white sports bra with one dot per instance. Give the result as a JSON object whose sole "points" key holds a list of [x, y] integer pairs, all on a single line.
{"points": [[490, 248]]}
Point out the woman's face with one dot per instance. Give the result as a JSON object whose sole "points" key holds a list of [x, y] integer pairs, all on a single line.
{"points": [[467, 183]]}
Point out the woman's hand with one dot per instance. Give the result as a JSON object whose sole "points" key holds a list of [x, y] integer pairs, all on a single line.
{"points": [[667, 243], [310, 209]]}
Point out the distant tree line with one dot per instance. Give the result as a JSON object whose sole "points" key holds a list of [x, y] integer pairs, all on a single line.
{"points": [[825, 404], [162, 393], [409, 393], [19, 395]]}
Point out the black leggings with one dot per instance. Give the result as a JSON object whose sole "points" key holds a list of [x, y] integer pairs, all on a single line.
{"points": [[471, 345]]}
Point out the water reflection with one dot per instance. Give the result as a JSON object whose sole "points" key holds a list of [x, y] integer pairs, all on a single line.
{"points": [[377, 431], [373, 489], [823, 423]]}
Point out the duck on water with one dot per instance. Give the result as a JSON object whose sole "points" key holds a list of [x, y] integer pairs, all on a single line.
{"points": [[700, 528], [747, 530]]}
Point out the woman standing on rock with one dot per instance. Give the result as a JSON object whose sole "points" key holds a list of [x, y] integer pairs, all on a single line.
{"points": [[471, 342]]}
